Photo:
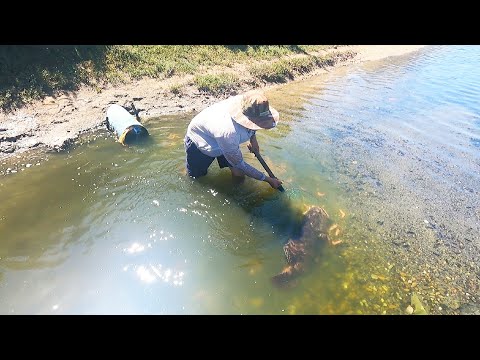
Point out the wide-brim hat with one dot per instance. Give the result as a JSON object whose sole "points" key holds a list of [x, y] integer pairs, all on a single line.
{"points": [[253, 111]]}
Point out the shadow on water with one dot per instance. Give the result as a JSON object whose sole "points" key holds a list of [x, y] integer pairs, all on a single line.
{"points": [[43, 70], [263, 205]]}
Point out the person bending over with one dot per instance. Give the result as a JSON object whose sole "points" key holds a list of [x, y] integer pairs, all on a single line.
{"points": [[218, 131]]}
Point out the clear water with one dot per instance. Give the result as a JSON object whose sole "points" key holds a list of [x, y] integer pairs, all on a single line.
{"points": [[106, 229]]}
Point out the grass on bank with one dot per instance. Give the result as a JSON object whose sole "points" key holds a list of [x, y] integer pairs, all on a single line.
{"points": [[31, 72], [216, 83], [286, 69]]}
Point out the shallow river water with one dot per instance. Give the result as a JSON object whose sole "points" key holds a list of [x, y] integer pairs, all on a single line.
{"points": [[390, 149]]}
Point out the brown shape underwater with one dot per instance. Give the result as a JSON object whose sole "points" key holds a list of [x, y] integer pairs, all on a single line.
{"points": [[300, 253]]}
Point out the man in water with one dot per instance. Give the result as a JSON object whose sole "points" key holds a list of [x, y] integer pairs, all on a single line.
{"points": [[218, 131]]}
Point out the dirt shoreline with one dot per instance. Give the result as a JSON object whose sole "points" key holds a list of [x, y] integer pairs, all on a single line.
{"points": [[54, 123]]}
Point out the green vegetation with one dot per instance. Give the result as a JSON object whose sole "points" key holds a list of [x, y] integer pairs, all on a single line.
{"points": [[30, 72], [176, 89], [282, 70], [216, 84]]}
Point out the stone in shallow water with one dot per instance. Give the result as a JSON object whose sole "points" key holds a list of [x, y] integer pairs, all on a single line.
{"points": [[417, 304]]}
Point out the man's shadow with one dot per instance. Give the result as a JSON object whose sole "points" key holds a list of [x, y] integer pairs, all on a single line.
{"points": [[268, 209]]}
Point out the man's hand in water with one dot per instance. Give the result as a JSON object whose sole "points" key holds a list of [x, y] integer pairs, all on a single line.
{"points": [[274, 183]]}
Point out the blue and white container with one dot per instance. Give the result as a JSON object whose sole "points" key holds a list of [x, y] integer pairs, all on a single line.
{"points": [[125, 125]]}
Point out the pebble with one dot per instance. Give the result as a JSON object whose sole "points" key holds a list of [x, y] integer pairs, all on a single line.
{"points": [[409, 310]]}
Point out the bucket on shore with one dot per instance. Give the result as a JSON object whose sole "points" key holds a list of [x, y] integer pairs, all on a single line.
{"points": [[125, 125]]}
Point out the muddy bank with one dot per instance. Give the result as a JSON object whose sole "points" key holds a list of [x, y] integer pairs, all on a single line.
{"points": [[54, 123]]}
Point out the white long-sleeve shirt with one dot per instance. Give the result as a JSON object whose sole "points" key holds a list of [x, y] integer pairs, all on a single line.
{"points": [[215, 133]]}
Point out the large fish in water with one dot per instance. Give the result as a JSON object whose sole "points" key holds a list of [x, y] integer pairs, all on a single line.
{"points": [[301, 252]]}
